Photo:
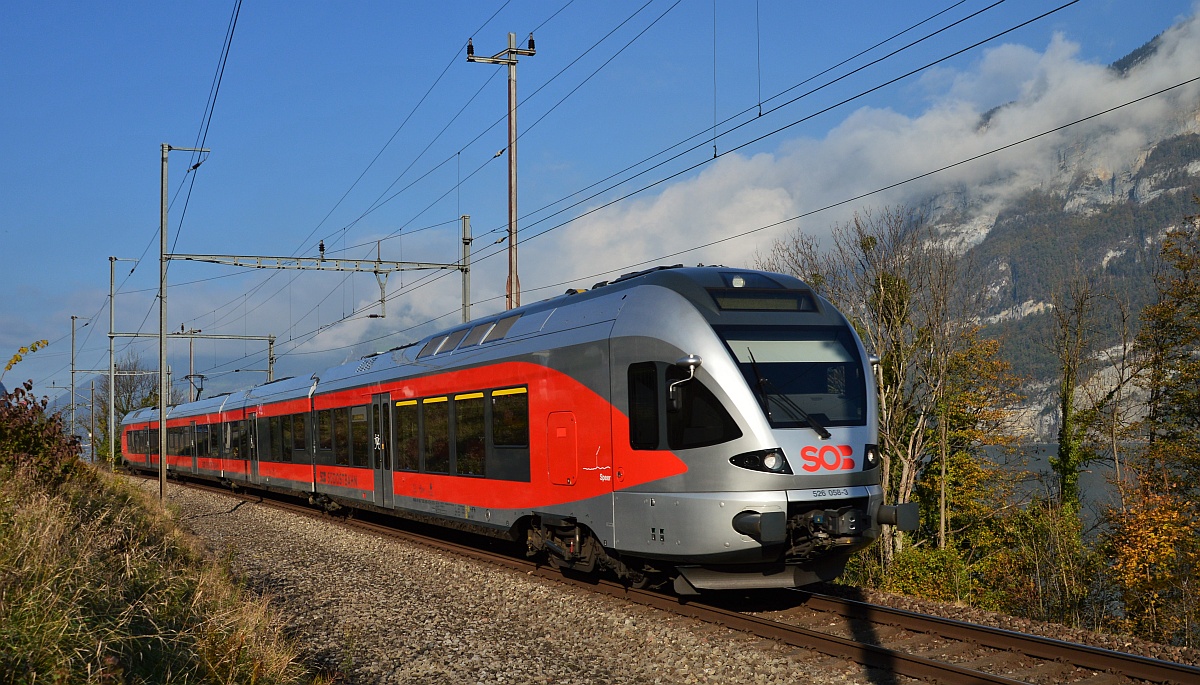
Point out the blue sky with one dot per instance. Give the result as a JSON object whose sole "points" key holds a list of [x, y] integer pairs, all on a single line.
{"points": [[313, 92]]}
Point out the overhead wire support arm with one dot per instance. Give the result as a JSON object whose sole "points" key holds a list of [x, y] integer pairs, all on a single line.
{"points": [[315, 263], [381, 268]]}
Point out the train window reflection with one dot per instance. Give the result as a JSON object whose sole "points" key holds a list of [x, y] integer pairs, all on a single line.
{"points": [[510, 417], [436, 411], [643, 406], [697, 418], [476, 334], [452, 340], [431, 346], [501, 328], [325, 429], [407, 444], [341, 436], [469, 440], [799, 374], [360, 438]]}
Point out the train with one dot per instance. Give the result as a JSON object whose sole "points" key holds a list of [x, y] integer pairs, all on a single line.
{"points": [[707, 427]]}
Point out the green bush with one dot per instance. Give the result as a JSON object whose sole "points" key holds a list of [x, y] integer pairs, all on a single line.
{"points": [[98, 585], [937, 574]]}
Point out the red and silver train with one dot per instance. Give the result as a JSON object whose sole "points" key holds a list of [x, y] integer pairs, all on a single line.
{"points": [[712, 425]]}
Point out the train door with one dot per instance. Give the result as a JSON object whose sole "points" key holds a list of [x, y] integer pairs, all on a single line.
{"points": [[252, 446], [563, 443], [381, 459]]}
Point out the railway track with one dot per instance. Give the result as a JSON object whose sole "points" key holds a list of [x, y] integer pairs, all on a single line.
{"points": [[899, 644]]}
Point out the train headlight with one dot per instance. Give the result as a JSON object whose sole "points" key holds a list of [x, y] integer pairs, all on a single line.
{"points": [[773, 461], [870, 457], [769, 461]]}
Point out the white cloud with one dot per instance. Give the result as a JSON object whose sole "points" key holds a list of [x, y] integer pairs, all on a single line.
{"points": [[873, 148]]}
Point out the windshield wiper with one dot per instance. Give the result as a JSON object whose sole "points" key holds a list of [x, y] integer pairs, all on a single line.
{"points": [[762, 392], [788, 403]]}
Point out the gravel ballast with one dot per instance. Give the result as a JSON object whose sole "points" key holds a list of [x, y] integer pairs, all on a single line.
{"points": [[371, 610]]}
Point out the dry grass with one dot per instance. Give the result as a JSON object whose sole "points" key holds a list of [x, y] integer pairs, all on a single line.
{"points": [[98, 585]]}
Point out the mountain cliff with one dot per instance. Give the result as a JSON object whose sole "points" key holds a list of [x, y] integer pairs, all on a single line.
{"points": [[1100, 211]]}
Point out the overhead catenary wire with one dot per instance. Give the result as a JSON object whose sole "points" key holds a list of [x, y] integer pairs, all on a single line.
{"points": [[745, 111], [630, 196], [486, 255], [560, 10], [310, 235], [797, 217], [368, 167], [533, 125], [378, 203], [741, 113], [415, 283]]}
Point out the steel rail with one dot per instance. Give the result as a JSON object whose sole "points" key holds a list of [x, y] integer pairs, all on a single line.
{"points": [[1083, 656]]}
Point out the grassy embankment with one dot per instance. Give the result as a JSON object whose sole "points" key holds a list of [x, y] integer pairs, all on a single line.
{"points": [[98, 585]]}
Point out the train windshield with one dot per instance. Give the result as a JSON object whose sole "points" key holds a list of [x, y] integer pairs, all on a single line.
{"points": [[803, 377]]}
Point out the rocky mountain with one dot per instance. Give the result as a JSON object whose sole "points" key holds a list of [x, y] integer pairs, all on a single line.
{"points": [[1099, 211]]}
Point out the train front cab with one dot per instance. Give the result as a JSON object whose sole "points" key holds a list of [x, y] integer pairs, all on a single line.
{"points": [[762, 392]]}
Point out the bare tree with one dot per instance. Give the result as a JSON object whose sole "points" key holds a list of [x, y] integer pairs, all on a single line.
{"points": [[908, 296], [136, 388]]}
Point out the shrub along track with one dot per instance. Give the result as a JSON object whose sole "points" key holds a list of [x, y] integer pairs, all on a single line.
{"points": [[896, 642]]}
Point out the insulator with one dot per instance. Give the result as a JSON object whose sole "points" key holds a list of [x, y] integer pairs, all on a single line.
{"points": [[470, 48], [530, 42]]}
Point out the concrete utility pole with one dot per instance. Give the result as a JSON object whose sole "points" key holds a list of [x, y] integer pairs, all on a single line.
{"points": [[162, 320], [508, 57], [112, 362], [72, 428], [92, 431]]}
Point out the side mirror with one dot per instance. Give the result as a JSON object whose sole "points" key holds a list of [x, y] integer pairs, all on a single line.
{"points": [[691, 363]]}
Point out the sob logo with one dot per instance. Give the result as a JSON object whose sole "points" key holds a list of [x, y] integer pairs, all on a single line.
{"points": [[828, 458]]}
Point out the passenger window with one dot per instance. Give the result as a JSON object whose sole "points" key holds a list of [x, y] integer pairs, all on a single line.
{"points": [[360, 437], [282, 438], [234, 439], [405, 430], [298, 433], [510, 417], [696, 418], [436, 411], [469, 440], [643, 406], [325, 429], [272, 442], [341, 436]]}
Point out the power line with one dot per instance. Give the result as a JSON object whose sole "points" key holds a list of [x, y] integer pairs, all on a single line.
{"points": [[861, 94], [820, 209], [860, 196]]}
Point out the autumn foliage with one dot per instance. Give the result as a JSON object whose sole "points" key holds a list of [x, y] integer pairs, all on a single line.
{"points": [[992, 534]]}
